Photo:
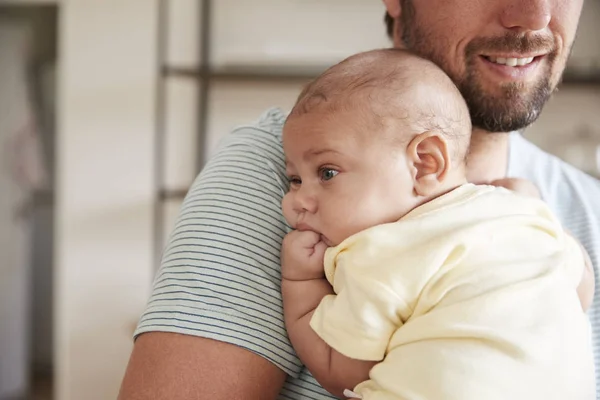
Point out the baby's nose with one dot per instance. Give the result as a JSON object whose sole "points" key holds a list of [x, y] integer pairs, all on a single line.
{"points": [[305, 202]]}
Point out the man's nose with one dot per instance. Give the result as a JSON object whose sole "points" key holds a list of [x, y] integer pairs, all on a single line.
{"points": [[305, 201], [526, 15]]}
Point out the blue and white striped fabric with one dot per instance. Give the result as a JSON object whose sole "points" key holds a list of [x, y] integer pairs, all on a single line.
{"points": [[220, 274]]}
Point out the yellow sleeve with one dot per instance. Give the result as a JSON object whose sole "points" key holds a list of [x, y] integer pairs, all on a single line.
{"points": [[360, 319]]}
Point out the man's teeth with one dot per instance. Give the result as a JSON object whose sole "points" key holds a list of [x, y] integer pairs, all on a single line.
{"points": [[511, 62]]}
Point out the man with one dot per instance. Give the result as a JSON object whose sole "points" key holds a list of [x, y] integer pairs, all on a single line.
{"points": [[214, 325]]}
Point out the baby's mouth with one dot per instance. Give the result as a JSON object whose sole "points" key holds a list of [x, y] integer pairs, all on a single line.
{"points": [[326, 241], [301, 226]]}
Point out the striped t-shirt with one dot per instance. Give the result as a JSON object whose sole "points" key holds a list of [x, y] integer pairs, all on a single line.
{"points": [[220, 273]]}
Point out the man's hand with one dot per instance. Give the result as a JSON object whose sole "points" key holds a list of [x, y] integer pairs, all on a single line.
{"points": [[587, 285], [302, 256]]}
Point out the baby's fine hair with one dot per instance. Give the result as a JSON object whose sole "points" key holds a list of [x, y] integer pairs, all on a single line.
{"points": [[382, 84]]}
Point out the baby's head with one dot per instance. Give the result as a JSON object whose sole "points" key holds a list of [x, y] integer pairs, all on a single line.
{"points": [[371, 139]]}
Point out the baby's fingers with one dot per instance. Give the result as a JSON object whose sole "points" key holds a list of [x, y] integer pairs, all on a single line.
{"points": [[303, 239]]}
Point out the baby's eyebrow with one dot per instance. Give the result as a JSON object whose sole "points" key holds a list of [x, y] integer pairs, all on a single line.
{"points": [[311, 153]]}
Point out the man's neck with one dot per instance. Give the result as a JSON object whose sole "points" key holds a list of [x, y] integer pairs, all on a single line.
{"points": [[488, 157]]}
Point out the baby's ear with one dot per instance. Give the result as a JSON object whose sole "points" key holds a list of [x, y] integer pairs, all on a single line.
{"points": [[429, 162]]}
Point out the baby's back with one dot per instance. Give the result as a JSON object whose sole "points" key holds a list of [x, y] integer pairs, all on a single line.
{"points": [[497, 315]]}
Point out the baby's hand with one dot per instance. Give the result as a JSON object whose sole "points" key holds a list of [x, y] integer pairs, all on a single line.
{"points": [[521, 186], [302, 255]]}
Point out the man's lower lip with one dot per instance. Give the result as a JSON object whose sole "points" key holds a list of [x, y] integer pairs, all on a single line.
{"points": [[523, 72]]}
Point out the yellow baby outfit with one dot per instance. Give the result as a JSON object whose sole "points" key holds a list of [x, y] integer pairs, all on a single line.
{"points": [[471, 296]]}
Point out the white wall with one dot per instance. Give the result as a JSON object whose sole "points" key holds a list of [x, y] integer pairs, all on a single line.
{"points": [[257, 33], [570, 127], [570, 123], [105, 189], [586, 51], [293, 32]]}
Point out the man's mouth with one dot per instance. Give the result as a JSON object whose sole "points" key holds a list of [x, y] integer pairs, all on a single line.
{"points": [[511, 61], [513, 67]]}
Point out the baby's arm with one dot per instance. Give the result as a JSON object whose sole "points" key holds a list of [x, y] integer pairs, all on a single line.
{"points": [[303, 287]]}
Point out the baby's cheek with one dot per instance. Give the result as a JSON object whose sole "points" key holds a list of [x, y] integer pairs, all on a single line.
{"points": [[371, 211], [332, 220], [288, 210], [348, 221]]}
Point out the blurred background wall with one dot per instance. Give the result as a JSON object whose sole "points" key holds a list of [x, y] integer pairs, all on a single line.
{"points": [[128, 99]]}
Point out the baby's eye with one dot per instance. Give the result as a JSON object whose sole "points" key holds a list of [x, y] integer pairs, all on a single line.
{"points": [[327, 174], [294, 180]]}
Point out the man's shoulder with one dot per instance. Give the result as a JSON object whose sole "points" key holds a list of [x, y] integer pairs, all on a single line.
{"points": [[269, 126], [272, 121], [571, 194], [557, 180], [258, 141]]}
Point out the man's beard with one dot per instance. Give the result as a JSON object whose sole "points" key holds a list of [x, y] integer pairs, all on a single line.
{"points": [[517, 106]]}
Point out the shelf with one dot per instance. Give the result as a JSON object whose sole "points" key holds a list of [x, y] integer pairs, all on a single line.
{"points": [[257, 73], [303, 74], [172, 194], [42, 197], [46, 197]]}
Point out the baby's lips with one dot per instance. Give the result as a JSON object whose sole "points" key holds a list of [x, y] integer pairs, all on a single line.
{"points": [[303, 226]]}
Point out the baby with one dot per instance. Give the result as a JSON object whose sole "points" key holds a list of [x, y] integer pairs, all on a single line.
{"points": [[441, 289]]}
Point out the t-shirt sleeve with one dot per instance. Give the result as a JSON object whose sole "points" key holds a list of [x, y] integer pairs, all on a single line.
{"points": [[220, 272], [360, 319]]}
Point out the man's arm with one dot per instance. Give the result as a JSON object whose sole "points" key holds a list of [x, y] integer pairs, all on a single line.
{"points": [[166, 366], [218, 288]]}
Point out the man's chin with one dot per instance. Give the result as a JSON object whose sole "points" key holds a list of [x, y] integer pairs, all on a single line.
{"points": [[507, 114], [506, 108], [502, 124]]}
